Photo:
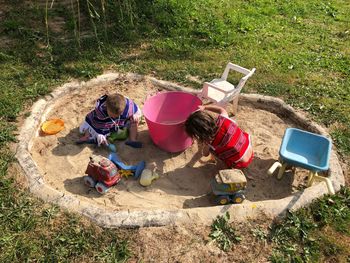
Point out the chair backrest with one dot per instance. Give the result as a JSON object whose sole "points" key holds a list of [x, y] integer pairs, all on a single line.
{"points": [[226, 90], [244, 79], [248, 73], [231, 66]]}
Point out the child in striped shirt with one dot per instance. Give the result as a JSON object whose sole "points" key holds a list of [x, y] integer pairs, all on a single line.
{"points": [[112, 113], [221, 135]]}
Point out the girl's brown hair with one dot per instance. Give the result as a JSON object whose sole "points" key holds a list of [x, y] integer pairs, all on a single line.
{"points": [[201, 126], [115, 103]]}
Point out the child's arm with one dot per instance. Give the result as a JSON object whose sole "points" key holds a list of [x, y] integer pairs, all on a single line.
{"points": [[214, 108], [205, 150], [136, 116], [136, 112]]}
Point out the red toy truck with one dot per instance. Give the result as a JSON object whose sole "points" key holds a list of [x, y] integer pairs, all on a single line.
{"points": [[101, 173]]}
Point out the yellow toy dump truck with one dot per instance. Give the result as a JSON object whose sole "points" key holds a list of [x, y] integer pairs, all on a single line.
{"points": [[228, 186]]}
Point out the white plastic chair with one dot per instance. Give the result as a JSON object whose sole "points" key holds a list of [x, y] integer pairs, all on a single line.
{"points": [[220, 91]]}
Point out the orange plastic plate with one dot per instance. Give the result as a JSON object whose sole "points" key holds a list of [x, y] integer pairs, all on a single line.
{"points": [[52, 126]]}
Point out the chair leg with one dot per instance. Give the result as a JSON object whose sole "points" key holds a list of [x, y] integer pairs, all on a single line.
{"points": [[235, 105]]}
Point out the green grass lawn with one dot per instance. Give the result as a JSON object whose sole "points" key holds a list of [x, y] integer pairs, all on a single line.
{"points": [[301, 50]]}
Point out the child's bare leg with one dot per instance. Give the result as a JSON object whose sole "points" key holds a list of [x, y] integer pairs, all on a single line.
{"points": [[133, 131], [85, 136], [133, 136]]}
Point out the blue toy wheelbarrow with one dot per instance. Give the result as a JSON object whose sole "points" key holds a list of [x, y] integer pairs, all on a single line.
{"points": [[306, 150]]}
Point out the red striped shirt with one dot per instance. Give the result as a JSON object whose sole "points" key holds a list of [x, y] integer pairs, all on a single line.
{"points": [[230, 142]]}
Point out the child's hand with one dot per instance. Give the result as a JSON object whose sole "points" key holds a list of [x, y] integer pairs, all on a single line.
{"points": [[205, 150], [201, 107], [101, 139], [135, 118]]}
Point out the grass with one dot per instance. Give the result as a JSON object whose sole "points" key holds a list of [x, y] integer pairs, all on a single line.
{"points": [[32, 230], [317, 233], [301, 52], [310, 234], [223, 233]]}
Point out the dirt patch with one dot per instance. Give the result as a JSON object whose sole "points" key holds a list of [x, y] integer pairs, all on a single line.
{"points": [[192, 244], [184, 177]]}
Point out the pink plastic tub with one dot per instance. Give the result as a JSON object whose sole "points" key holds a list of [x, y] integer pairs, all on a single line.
{"points": [[165, 114]]}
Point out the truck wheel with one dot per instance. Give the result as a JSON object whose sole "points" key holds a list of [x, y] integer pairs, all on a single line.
{"points": [[238, 198], [223, 200], [101, 188], [89, 181]]}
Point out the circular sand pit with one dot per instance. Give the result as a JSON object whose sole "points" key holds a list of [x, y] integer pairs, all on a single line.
{"points": [[55, 165]]}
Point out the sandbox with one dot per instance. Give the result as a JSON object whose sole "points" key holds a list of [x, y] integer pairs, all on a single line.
{"points": [[55, 165]]}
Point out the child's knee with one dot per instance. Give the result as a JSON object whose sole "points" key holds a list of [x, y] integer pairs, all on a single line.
{"points": [[248, 155], [246, 159]]}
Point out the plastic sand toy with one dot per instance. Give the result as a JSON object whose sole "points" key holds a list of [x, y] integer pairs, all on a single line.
{"points": [[166, 122], [101, 173], [228, 186], [147, 177], [136, 169], [52, 126], [307, 150], [121, 134]]}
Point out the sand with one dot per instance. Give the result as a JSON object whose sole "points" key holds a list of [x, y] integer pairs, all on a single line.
{"points": [[184, 177]]}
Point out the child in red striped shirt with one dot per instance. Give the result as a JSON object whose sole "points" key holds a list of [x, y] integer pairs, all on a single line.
{"points": [[222, 136]]}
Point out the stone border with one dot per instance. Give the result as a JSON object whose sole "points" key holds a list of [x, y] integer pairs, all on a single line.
{"points": [[108, 218]]}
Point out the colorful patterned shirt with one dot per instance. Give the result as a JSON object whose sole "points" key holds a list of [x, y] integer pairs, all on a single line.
{"points": [[99, 120]]}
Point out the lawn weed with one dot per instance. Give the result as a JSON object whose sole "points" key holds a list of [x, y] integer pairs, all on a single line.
{"points": [[223, 233]]}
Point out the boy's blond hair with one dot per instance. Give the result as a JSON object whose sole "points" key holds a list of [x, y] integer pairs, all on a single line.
{"points": [[115, 103]]}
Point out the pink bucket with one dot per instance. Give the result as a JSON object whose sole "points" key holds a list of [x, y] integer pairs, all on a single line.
{"points": [[165, 114]]}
